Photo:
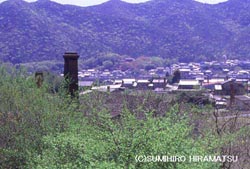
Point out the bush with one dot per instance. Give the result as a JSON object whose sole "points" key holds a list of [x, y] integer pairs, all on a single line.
{"points": [[28, 113]]}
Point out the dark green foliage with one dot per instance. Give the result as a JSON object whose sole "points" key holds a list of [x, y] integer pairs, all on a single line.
{"points": [[174, 30], [176, 77]]}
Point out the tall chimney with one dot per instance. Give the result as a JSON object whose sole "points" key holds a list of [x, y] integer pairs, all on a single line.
{"points": [[71, 71]]}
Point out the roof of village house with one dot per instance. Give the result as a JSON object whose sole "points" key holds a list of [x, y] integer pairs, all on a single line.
{"points": [[242, 80], [142, 81], [208, 71], [243, 72], [230, 80], [184, 70], [189, 82], [200, 78], [159, 80], [128, 81], [212, 81], [118, 82]]}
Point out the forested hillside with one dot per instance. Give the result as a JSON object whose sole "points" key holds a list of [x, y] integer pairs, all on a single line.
{"points": [[183, 30]]}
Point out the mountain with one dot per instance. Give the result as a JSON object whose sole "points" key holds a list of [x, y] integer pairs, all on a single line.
{"points": [[180, 30]]}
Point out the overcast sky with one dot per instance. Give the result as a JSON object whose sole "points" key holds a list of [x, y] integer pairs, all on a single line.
{"points": [[94, 2]]}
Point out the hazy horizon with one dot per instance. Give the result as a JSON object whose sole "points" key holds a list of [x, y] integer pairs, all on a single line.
{"points": [[96, 2]]}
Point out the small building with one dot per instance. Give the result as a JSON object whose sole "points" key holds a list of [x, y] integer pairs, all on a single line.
{"points": [[189, 84]]}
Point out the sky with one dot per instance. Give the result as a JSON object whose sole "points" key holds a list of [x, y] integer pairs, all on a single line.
{"points": [[95, 2]]}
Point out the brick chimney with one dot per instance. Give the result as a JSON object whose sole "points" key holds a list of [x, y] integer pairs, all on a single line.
{"points": [[71, 71]]}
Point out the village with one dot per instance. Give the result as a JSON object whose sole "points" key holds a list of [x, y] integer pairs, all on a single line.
{"points": [[224, 82]]}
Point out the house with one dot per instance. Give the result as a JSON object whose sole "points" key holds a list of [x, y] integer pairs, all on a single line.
{"points": [[106, 74], [230, 87], [225, 71], [189, 84], [184, 72], [85, 84], [117, 81], [107, 88], [208, 73], [128, 83], [200, 79], [142, 84], [159, 83], [173, 68], [210, 83], [242, 74], [160, 71], [129, 59]]}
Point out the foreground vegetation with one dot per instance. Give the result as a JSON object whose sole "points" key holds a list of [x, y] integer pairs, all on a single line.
{"points": [[43, 129]]}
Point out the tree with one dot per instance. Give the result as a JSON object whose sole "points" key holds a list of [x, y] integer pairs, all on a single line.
{"points": [[27, 114], [176, 76], [100, 141]]}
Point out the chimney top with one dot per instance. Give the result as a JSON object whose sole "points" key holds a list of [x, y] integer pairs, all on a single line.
{"points": [[71, 55]]}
